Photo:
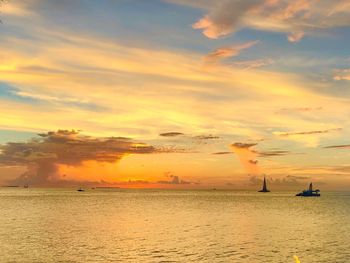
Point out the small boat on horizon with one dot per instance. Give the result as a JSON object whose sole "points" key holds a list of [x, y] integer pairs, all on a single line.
{"points": [[264, 189], [309, 192], [80, 190]]}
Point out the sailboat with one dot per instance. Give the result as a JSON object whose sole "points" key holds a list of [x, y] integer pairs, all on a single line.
{"points": [[264, 189]]}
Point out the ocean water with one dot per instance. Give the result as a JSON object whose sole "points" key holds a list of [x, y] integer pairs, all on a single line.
{"points": [[63, 225]]}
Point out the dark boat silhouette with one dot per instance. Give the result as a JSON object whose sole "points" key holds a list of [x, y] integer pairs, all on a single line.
{"points": [[309, 192], [264, 189], [80, 190]]}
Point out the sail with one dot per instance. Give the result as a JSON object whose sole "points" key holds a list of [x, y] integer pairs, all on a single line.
{"points": [[264, 189], [264, 186], [310, 187]]}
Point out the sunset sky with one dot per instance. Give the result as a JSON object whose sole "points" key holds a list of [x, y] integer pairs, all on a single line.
{"points": [[175, 93]]}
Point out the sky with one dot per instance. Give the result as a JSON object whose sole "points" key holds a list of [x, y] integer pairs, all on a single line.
{"points": [[175, 94]]}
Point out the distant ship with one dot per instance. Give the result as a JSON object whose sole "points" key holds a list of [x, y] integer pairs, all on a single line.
{"points": [[80, 190], [264, 189], [309, 192]]}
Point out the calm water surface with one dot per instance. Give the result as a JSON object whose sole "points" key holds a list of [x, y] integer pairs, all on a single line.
{"points": [[63, 225]]}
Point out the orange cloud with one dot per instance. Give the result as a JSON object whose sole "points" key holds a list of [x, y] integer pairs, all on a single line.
{"points": [[227, 52], [342, 74], [295, 36], [224, 18], [246, 156]]}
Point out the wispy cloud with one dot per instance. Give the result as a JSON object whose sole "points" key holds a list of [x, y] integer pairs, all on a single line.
{"points": [[342, 74], [251, 64], [139, 114], [15, 8], [228, 52], [301, 109], [339, 146], [273, 153], [306, 132]]}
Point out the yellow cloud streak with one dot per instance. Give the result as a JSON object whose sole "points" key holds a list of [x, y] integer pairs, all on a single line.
{"points": [[141, 86]]}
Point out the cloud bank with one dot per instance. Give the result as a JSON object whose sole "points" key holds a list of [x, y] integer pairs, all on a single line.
{"points": [[68, 147], [289, 181]]}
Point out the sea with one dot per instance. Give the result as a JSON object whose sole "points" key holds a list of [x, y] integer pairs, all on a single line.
{"points": [[125, 225]]}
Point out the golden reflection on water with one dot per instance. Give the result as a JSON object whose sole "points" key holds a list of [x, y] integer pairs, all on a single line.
{"points": [[51, 225], [297, 259]]}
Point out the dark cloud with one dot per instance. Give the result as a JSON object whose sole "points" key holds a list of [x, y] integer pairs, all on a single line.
{"points": [[197, 138], [341, 146], [272, 153], [243, 145], [307, 132], [171, 134], [221, 153], [43, 155], [206, 137]]}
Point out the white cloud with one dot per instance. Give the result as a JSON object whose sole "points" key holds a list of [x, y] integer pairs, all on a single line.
{"points": [[296, 18]]}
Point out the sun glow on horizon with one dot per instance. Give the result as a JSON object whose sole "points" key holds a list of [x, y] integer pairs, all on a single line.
{"points": [[214, 104]]}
